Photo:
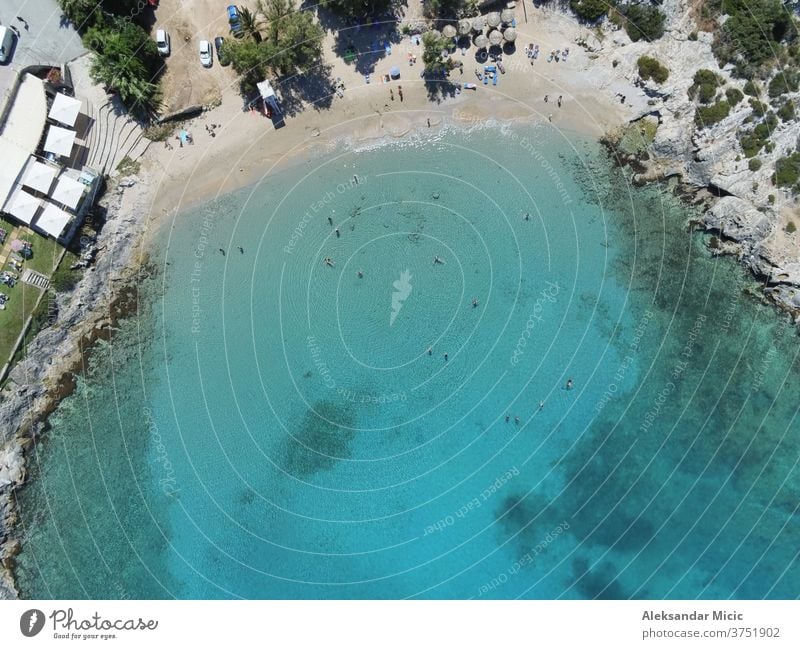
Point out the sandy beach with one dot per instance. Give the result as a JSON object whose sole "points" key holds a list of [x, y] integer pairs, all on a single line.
{"points": [[246, 147]]}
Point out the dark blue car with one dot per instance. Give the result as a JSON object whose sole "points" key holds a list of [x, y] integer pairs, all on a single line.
{"points": [[234, 21]]}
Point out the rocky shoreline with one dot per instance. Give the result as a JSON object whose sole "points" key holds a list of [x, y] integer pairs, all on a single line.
{"points": [[47, 372]]}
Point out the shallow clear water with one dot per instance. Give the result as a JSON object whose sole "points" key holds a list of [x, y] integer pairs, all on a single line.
{"points": [[274, 427]]}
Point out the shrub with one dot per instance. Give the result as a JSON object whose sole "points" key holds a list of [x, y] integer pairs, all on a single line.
{"points": [[787, 111], [590, 9], [783, 82], [734, 96], [643, 21], [709, 115], [751, 89], [759, 109], [64, 279], [705, 86], [753, 30], [357, 8], [693, 36], [754, 140], [650, 68], [787, 170], [754, 164], [771, 199], [791, 228]]}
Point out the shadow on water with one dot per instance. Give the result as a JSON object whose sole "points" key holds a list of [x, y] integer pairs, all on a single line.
{"points": [[322, 439]]}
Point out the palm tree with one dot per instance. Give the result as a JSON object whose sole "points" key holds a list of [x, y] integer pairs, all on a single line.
{"points": [[250, 23]]}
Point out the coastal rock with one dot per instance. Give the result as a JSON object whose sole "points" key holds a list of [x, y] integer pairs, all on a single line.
{"points": [[739, 220], [12, 465]]}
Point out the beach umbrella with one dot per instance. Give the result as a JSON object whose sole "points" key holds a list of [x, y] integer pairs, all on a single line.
{"points": [[507, 16], [493, 19], [510, 34], [395, 72], [448, 31], [495, 37], [481, 41], [464, 26], [478, 24]]}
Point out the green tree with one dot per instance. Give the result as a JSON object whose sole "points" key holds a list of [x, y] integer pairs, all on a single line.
{"points": [[643, 22], [86, 13], [248, 58], [250, 23], [357, 8], [126, 61], [591, 9], [293, 40], [432, 52]]}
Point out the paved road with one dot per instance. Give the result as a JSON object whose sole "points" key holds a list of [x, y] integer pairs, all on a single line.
{"points": [[47, 41]]}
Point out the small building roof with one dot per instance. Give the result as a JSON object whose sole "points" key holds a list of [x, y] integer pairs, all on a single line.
{"points": [[59, 141], [68, 192], [52, 220], [22, 205], [64, 109], [39, 176], [28, 114]]}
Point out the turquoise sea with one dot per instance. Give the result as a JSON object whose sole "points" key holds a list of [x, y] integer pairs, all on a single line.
{"points": [[269, 426]]}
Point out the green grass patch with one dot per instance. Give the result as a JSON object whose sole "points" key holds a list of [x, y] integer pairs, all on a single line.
{"points": [[128, 167], [709, 115]]}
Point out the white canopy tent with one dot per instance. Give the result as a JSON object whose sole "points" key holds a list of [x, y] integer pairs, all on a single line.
{"points": [[68, 192], [22, 205], [64, 110], [39, 176], [53, 220], [59, 141]]}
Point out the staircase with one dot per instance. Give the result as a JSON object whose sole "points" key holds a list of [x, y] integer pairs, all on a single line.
{"points": [[113, 136], [35, 279]]}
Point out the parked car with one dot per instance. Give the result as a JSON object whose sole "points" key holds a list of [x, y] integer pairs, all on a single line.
{"points": [[218, 42], [163, 42], [235, 21], [206, 55], [7, 43]]}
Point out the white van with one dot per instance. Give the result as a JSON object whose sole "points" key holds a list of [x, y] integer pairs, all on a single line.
{"points": [[162, 42], [6, 43]]}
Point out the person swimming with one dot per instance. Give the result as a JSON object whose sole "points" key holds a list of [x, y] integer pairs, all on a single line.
{"points": [[508, 417], [241, 250], [516, 420], [330, 221], [328, 262], [569, 384], [360, 274], [222, 251], [474, 302], [337, 233], [430, 351], [541, 406], [438, 260], [446, 356]]}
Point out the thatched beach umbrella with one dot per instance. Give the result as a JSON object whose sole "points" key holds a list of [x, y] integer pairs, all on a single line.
{"points": [[478, 24], [493, 19], [507, 16], [464, 27], [510, 34], [448, 31], [481, 41], [495, 37]]}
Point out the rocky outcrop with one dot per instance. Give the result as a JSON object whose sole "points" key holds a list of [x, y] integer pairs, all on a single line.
{"points": [[37, 381], [737, 219]]}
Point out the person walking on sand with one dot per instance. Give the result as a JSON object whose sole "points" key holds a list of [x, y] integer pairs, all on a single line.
{"points": [[559, 101], [429, 122], [391, 94], [546, 99], [400, 92]]}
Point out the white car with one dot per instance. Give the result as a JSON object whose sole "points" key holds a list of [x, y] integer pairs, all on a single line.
{"points": [[162, 42], [206, 56]]}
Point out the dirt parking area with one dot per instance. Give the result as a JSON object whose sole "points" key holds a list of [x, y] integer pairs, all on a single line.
{"points": [[185, 81]]}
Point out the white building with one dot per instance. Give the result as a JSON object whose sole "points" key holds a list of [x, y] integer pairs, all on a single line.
{"points": [[42, 181]]}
